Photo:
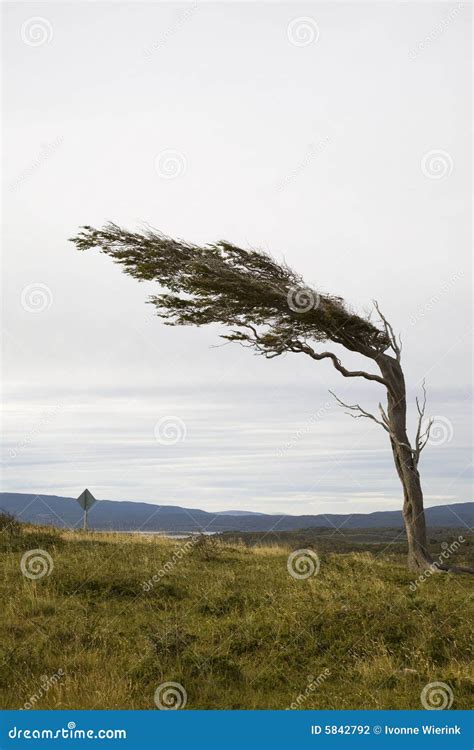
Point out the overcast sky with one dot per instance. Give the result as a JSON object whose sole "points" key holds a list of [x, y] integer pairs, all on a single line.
{"points": [[336, 136]]}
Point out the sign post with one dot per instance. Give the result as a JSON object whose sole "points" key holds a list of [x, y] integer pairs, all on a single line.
{"points": [[86, 500]]}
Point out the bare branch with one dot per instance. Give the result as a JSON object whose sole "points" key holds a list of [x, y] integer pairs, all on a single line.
{"points": [[362, 412], [395, 345], [421, 438], [298, 347], [384, 422]]}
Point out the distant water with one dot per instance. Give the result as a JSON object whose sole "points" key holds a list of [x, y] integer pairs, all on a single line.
{"points": [[167, 534], [172, 535]]}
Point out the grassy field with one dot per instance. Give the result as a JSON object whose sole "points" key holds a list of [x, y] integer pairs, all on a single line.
{"points": [[225, 621], [382, 542]]}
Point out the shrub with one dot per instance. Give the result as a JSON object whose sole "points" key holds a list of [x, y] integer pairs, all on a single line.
{"points": [[206, 547], [9, 524]]}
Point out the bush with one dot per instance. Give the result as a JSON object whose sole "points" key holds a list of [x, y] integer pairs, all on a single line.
{"points": [[206, 547], [9, 525]]}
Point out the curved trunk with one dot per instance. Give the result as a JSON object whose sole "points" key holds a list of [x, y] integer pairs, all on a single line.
{"points": [[419, 557]]}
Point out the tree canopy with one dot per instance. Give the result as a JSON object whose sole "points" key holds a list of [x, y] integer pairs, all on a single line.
{"points": [[266, 304]]}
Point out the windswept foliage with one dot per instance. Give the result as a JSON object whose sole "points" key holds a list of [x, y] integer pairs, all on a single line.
{"points": [[265, 303]]}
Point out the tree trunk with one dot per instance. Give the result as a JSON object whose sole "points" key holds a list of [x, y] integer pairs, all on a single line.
{"points": [[419, 557]]}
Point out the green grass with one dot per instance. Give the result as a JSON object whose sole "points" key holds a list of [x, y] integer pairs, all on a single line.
{"points": [[228, 623]]}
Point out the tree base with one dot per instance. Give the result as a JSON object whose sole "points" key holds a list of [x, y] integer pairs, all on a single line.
{"points": [[424, 564], [420, 564]]}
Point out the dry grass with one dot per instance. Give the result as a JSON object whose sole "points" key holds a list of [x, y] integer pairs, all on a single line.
{"points": [[227, 622]]}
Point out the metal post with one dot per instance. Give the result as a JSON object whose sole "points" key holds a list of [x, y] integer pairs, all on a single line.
{"points": [[86, 500]]}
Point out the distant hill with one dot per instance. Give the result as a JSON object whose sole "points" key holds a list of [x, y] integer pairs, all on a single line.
{"points": [[238, 513], [115, 515]]}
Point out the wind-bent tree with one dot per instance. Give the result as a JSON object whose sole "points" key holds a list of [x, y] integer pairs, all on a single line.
{"points": [[267, 307]]}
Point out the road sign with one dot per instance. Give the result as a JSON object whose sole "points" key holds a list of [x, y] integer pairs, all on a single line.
{"points": [[86, 500]]}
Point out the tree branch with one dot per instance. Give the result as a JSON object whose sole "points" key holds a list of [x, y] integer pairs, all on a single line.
{"points": [[271, 345], [337, 364], [362, 412], [421, 438], [394, 344], [384, 422]]}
